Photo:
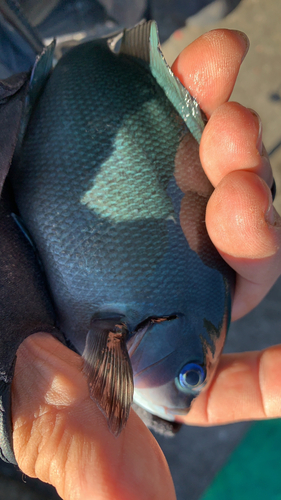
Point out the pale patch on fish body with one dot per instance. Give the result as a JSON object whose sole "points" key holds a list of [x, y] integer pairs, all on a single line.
{"points": [[127, 175]]}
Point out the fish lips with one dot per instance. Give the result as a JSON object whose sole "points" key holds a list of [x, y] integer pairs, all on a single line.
{"points": [[147, 400]]}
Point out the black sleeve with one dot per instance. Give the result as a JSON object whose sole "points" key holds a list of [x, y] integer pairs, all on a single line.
{"points": [[13, 92], [25, 306]]}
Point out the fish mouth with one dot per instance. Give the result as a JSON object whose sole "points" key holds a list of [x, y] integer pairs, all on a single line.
{"points": [[178, 411], [165, 412]]}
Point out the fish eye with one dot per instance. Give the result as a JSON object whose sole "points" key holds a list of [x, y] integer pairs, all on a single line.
{"points": [[191, 376]]}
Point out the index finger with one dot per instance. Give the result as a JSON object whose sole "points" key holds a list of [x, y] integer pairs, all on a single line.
{"points": [[209, 66]]}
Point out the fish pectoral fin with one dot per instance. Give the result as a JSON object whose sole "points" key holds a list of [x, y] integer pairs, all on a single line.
{"points": [[108, 369]]}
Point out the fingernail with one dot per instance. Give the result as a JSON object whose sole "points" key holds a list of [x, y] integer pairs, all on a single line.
{"points": [[246, 41], [270, 214], [259, 138]]}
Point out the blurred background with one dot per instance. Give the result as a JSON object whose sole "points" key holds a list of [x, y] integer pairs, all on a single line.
{"points": [[235, 461]]}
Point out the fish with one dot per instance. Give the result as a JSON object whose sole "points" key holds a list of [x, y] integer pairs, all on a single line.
{"points": [[111, 196]]}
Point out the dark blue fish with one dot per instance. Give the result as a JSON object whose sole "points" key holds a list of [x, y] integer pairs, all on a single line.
{"points": [[109, 186]]}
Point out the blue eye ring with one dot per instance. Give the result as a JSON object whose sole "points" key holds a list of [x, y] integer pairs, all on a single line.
{"points": [[191, 376]]}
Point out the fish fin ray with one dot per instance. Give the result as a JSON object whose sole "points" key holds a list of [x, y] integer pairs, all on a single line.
{"points": [[135, 41], [108, 369]]}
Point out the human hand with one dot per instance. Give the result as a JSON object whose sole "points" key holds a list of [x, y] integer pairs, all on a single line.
{"points": [[59, 434], [241, 221]]}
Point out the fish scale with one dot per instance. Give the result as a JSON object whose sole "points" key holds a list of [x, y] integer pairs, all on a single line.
{"points": [[109, 185]]}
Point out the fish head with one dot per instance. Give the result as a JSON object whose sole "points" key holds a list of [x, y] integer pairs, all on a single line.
{"points": [[173, 360]]}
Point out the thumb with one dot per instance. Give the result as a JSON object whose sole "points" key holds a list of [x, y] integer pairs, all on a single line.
{"points": [[62, 438]]}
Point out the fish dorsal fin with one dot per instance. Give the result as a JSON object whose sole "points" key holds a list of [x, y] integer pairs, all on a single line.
{"points": [[108, 369], [135, 41], [142, 42]]}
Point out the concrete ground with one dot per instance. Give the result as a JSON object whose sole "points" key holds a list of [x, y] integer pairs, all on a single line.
{"points": [[196, 454]]}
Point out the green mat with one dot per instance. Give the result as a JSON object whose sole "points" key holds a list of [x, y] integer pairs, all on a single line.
{"points": [[253, 471]]}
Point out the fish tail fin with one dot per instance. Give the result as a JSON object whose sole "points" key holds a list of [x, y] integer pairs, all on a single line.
{"points": [[142, 42], [108, 369]]}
